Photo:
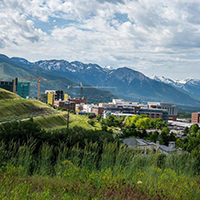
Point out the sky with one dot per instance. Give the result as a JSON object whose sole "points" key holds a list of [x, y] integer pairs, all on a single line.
{"points": [[154, 37]]}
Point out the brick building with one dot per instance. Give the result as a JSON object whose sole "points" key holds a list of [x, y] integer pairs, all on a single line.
{"points": [[78, 100], [154, 113], [170, 107], [65, 104], [195, 118], [98, 110]]}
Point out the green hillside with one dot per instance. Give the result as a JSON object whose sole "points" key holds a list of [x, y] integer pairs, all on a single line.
{"points": [[4, 94], [14, 107], [8, 72], [59, 121]]}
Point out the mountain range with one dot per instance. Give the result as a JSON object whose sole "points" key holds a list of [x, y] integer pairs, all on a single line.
{"points": [[189, 86], [11, 68], [124, 82]]}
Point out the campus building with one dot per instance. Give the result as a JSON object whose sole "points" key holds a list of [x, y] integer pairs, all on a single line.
{"points": [[195, 118], [154, 113], [20, 88], [170, 107]]}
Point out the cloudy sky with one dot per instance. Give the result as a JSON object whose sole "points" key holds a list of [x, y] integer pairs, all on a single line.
{"points": [[155, 37]]}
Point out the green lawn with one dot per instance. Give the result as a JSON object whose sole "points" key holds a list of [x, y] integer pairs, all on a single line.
{"points": [[22, 108], [58, 121]]}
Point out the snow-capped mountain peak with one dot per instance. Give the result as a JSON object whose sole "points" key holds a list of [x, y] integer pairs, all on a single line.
{"points": [[163, 79], [108, 68], [189, 85]]}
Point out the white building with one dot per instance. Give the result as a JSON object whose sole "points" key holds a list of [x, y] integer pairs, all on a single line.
{"points": [[126, 104], [170, 107]]}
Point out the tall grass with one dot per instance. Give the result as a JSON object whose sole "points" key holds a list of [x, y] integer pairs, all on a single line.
{"points": [[94, 171]]}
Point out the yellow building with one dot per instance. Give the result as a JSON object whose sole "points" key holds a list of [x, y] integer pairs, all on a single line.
{"points": [[50, 98], [66, 97]]}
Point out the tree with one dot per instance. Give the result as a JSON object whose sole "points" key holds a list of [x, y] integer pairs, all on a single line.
{"points": [[144, 133], [160, 123], [131, 121], [193, 143], [186, 130], [143, 123], [172, 137], [91, 122], [165, 135], [198, 134], [111, 120], [193, 129], [180, 143], [104, 127], [98, 117], [154, 136]]}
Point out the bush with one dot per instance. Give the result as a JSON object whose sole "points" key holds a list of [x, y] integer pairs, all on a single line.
{"points": [[91, 122]]}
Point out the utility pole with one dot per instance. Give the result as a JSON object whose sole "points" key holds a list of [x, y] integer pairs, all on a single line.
{"points": [[68, 120], [38, 95]]}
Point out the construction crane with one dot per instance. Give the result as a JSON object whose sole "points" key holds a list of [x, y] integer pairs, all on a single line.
{"points": [[81, 86], [34, 79]]}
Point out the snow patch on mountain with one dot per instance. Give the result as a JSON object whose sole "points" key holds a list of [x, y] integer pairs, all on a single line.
{"points": [[163, 79], [108, 68]]}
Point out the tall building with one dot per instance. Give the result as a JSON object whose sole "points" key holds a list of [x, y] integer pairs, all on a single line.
{"points": [[20, 88], [23, 89], [170, 107], [59, 95], [51, 98], [55, 95], [66, 96], [195, 118]]}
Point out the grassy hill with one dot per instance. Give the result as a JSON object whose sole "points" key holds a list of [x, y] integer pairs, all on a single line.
{"points": [[13, 107], [59, 121], [6, 95]]}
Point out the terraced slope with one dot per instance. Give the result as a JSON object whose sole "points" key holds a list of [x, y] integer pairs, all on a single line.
{"points": [[59, 121], [14, 107]]}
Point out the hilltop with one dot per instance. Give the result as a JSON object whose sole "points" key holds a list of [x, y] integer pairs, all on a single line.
{"points": [[4, 94], [13, 106]]}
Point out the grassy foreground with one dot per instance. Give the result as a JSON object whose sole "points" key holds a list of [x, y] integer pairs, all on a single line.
{"points": [[87, 173], [88, 164]]}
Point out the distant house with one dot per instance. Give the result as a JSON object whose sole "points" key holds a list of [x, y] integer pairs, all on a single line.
{"points": [[145, 146]]}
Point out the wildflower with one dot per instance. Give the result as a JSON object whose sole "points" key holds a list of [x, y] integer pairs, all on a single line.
{"points": [[139, 182], [67, 162]]}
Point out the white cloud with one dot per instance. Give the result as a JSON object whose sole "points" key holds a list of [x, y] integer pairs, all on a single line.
{"points": [[154, 35]]}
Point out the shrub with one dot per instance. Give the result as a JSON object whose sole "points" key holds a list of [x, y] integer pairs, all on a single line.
{"points": [[91, 122]]}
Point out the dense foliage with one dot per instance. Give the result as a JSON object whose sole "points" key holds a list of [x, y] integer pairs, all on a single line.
{"points": [[191, 141], [144, 122], [23, 131], [82, 164]]}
